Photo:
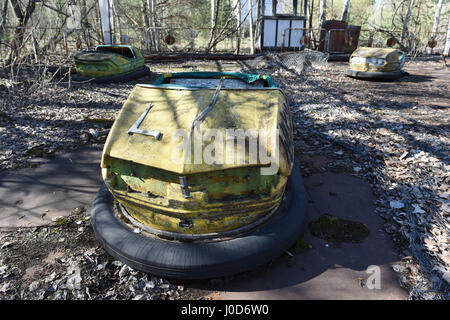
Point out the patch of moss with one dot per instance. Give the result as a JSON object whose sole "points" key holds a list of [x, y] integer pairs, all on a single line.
{"points": [[335, 229], [61, 222], [32, 165], [301, 245], [33, 152], [99, 120], [50, 153]]}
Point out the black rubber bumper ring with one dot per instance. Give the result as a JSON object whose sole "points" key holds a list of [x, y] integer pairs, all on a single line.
{"points": [[119, 78], [202, 260], [374, 75]]}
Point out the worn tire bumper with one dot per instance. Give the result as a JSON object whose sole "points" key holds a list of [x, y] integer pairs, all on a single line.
{"points": [[202, 260], [118, 78], [374, 75]]}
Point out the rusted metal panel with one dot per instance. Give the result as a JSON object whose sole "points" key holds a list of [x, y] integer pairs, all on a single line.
{"points": [[339, 37], [351, 38], [329, 41], [336, 32]]}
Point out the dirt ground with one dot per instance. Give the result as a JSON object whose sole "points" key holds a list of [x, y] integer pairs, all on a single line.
{"points": [[393, 135]]}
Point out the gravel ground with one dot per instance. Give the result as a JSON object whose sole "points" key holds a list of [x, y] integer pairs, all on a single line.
{"points": [[65, 262], [394, 135]]}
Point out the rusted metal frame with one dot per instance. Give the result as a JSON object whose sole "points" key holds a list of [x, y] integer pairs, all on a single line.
{"points": [[204, 236], [184, 56]]}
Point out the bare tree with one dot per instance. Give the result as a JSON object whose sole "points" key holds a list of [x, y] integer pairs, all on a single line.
{"points": [[153, 23], [225, 30], [310, 13], [258, 25], [446, 52], [237, 13], [22, 16], [252, 41], [322, 12], [406, 20], [116, 20], [214, 14], [310, 22], [3, 15], [344, 16], [436, 18], [145, 20], [60, 34]]}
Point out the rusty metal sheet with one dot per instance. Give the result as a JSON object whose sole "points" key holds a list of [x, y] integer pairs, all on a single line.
{"points": [[332, 40], [351, 38]]}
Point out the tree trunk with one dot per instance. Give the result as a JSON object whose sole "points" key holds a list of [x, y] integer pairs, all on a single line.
{"points": [[214, 12], [151, 31], [322, 12], [406, 20], [118, 26], [111, 21], [153, 24], [23, 18], [446, 52], [310, 13], [85, 25], [104, 8], [344, 16], [437, 15], [312, 37], [145, 19], [238, 25], [2, 26], [258, 25], [98, 28], [252, 42]]}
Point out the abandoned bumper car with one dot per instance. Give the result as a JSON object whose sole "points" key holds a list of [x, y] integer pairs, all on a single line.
{"points": [[199, 177], [376, 64], [110, 63]]}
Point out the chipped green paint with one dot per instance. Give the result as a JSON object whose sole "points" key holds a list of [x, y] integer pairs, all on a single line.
{"points": [[108, 60], [141, 176], [216, 184]]}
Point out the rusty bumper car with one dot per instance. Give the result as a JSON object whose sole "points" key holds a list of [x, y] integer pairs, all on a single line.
{"points": [[376, 64], [165, 212], [110, 63]]}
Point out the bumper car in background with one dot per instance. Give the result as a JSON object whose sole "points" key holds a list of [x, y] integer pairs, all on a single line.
{"points": [[376, 64]]}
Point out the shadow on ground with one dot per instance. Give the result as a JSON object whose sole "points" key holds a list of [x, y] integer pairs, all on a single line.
{"points": [[52, 187], [325, 270]]}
